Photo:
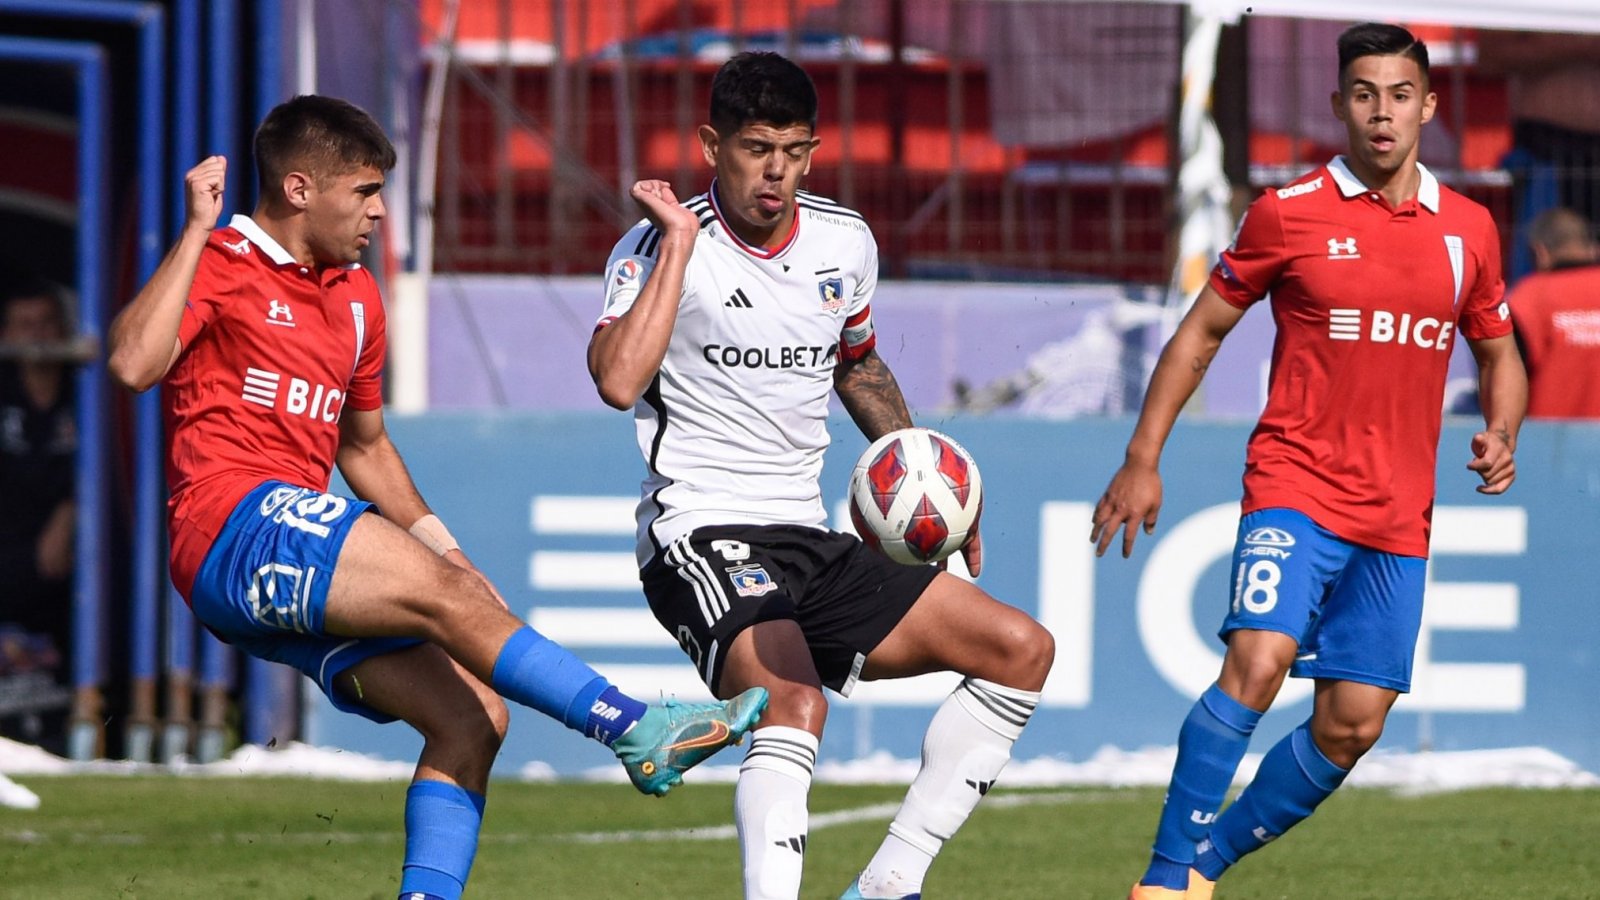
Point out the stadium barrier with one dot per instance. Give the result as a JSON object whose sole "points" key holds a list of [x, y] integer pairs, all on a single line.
{"points": [[544, 505]]}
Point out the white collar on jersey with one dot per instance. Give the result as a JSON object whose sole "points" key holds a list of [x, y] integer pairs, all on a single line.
{"points": [[274, 251], [1350, 185]]}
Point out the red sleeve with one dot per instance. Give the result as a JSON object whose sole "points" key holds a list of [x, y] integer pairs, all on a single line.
{"points": [[214, 279], [1251, 265], [366, 386], [1484, 312]]}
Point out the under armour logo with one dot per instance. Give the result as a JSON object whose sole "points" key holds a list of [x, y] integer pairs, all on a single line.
{"points": [[1345, 249], [797, 844], [982, 787], [278, 310], [242, 248]]}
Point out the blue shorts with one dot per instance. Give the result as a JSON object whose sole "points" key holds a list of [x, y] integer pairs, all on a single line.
{"points": [[1354, 611], [263, 586]]}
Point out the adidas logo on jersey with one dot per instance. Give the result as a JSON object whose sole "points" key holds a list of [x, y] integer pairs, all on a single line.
{"points": [[737, 300]]}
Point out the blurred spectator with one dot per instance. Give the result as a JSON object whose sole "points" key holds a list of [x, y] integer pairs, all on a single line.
{"points": [[1557, 314], [38, 442], [1554, 80]]}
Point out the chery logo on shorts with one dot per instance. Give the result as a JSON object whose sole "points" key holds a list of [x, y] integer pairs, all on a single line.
{"points": [[1268, 541]]}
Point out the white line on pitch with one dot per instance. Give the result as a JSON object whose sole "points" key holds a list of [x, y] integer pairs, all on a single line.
{"points": [[819, 821]]}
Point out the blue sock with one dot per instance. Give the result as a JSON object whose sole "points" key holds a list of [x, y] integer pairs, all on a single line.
{"points": [[1210, 744], [540, 673], [1294, 777], [441, 839]]}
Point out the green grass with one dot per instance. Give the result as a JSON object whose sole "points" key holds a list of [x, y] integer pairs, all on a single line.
{"points": [[218, 839]]}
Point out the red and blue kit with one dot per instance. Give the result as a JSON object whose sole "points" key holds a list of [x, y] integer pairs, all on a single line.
{"points": [[272, 353], [1368, 300]]}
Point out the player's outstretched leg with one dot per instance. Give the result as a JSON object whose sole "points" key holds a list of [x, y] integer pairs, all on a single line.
{"points": [[656, 744], [967, 745], [1211, 743], [672, 739], [387, 583]]}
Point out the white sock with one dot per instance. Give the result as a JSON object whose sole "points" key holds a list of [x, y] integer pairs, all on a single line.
{"points": [[967, 744], [769, 808]]}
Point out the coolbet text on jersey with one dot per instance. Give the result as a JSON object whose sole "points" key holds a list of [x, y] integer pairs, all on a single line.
{"points": [[750, 367], [272, 353], [1351, 427]]}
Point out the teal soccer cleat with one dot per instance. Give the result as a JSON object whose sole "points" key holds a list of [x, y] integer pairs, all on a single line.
{"points": [[853, 892], [675, 737]]}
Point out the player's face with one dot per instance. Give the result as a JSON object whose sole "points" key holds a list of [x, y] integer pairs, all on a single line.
{"points": [[32, 320], [341, 213], [759, 168], [1384, 102]]}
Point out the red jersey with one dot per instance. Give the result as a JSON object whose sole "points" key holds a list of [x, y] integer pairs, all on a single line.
{"points": [[1557, 314], [272, 353], [1368, 300]]}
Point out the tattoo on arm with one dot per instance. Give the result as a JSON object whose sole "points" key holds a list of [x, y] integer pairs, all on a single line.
{"points": [[872, 397]]}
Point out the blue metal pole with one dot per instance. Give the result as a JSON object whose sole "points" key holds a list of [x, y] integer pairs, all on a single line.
{"points": [[144, 614], [89, 585], [185, 153], [148, 573], [222, 129]]}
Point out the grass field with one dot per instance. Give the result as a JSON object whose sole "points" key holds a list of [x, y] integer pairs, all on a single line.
{"points": [[142, 838]]}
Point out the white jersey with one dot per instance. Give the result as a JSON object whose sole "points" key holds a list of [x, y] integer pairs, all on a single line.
{"points": [[734, 425]]}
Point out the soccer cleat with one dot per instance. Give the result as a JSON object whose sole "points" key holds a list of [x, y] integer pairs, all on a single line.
{"points": [[853, 892], [1155, 892], [1200, 887], [673, 738]]}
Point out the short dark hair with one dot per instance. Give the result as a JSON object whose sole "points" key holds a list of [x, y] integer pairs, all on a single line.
{"points": [[325, 137], [1559, 228], [1378, 39], [761, 86]]}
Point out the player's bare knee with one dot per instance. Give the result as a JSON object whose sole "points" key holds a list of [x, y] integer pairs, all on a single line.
{"points": [[1344, 741], [468, 737], [795, 705], [1030, 652], [445, 604], [1254, 679]]}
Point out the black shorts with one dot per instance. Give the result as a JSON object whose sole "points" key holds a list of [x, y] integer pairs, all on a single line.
{"points": [[709, 585]]}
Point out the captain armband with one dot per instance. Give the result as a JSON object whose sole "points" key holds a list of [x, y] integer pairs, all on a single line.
{"points": [[430, 531]]}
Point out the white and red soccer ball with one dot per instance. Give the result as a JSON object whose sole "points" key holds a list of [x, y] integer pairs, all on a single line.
{"points": [[915, 496]]}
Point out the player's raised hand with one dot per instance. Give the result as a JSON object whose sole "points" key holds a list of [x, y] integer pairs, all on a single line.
{"points": [[1133, 497], [972, 553], [1493, 460], [660, 205], [203, 191]]}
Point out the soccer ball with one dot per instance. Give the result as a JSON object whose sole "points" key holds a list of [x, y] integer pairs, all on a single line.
{"points": [[915, 496]]}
